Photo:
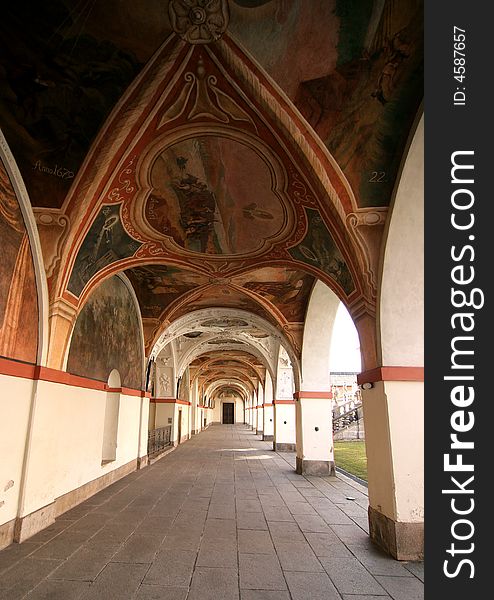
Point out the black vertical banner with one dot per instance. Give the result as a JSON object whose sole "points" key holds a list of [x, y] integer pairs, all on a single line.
{"points": [[459, 317]]}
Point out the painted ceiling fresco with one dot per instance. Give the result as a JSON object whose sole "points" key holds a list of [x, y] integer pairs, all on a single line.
{"points": [[18, 298], [203, 200], [319, 249], [106, 242], [181, 164], [157, 286], [60, 82], [287, 289], [223, 296], [240, 366], [358, 80], [353, 67], [107, 336]]}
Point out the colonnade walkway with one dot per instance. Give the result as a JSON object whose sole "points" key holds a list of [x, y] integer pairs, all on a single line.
{"points": [[222, 517]]}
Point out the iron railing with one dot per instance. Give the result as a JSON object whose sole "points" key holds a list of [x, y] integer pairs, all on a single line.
{"points": [[159, 439], [346, 419]]}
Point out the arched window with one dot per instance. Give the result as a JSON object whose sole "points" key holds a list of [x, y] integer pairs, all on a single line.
{"points": [[112, 407]]}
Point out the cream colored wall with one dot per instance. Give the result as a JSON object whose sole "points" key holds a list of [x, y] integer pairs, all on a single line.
{"points": [[402, 288], [394, 416], [312, 444], [284, 433], [143, 443], [163, 412], [15, 400], [318, 329], [67, 438], [406, 406], [217, 412], [185, 421], [152, 416]]}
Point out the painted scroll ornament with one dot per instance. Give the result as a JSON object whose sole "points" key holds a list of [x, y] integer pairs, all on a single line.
{"points": [[199, 21]]}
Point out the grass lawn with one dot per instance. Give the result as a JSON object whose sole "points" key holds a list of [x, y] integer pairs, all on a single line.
{"points": [[351, 457]]}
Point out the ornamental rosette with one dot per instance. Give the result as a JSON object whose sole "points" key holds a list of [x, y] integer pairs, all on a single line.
{"points": [[199, 21]]}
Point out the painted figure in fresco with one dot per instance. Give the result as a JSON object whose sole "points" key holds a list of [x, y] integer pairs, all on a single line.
{"points": [[197, 209], [106, 242], [164, 383], [398, 51], [251, 211], [18, 300]]}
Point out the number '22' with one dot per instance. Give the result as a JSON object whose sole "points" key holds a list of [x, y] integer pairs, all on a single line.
{"points": [[377, 177]]}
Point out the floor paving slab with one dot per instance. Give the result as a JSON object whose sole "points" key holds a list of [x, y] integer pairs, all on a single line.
{"points": [[350, 576], [221, 517], [260, 572], [59, 590], [316, 586]]}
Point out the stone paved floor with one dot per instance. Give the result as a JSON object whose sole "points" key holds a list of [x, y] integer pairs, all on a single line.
{"points": [[222, 517]]}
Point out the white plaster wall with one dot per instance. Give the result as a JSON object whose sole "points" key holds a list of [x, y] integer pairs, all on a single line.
{"points": [[406, 406], [312, 444], [152, 416], [239, 411], [163, 413], [318, 329], [217, 411], [285, 433], [394, 422], [143, 444], [185, 421], [402, 286], [15, 400], [67, 437], [378, 451]]}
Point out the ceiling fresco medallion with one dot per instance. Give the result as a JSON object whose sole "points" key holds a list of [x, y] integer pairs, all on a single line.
{"points": [[199, 21], [214, 195]]}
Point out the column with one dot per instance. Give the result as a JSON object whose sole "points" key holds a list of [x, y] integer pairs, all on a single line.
{"points": [[268, 430], [194, 417], [394, 417], [315, 454], [284, 426], [260, 409]]}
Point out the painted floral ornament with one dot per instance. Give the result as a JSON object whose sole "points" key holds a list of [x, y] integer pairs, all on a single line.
{"points": [[199, 21]]}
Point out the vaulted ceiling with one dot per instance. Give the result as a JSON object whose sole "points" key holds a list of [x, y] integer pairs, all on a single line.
{"points": [[223, 154]]}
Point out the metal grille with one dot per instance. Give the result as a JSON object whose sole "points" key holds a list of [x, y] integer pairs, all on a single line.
{"points": [[159, 439], [346, 419]]}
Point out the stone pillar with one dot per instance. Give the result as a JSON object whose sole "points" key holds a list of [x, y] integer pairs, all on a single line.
{"points": [[394, 427], [284, 426], [268, 411], [195, 426], [315, 454], [260, 410], [248, 411]]}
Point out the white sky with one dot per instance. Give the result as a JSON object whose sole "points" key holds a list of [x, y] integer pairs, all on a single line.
{"points": [[345, 345]]}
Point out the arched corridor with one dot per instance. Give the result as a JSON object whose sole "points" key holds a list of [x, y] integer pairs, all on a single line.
{"points": [[188, 192], [221, 517]]}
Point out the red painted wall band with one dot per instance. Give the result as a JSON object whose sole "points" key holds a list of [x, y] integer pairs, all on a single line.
{"points": [[14, 368], [268, 404], [171, 401], [37, 373], [314, 395], [283, 401], [391, 374]]}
